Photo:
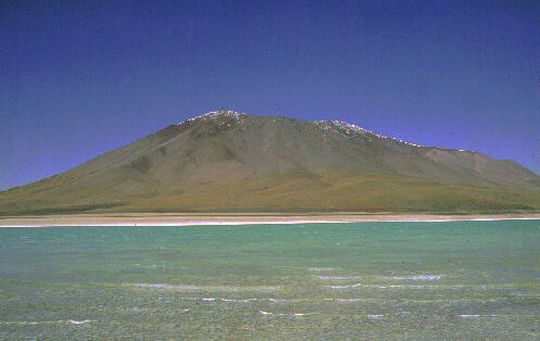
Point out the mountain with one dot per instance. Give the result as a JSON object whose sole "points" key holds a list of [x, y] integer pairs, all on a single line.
{"points": [[226, 161]]}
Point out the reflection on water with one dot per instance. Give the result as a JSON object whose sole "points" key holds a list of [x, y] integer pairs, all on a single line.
{"points": [[331, 281]]}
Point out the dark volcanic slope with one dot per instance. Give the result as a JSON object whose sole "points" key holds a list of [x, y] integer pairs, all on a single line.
{"points": [[229, 161]]}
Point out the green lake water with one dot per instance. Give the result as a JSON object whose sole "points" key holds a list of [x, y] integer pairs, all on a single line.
{"points": [[459, 280]]}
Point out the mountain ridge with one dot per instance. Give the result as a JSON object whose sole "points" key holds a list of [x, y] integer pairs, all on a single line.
{"points": [[231, 161]]}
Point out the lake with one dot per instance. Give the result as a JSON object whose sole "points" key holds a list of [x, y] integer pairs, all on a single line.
{"points": [[314, 281]]}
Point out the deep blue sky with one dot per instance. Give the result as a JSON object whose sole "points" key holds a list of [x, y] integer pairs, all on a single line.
{"points": [[81, 78]]}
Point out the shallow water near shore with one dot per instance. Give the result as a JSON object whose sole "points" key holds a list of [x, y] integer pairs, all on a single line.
{"points": [[315, 281]]}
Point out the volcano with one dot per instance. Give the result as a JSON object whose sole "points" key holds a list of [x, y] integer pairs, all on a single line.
{"points": [[227, 161]]}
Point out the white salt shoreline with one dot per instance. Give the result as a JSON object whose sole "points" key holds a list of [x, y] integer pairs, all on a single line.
{"points": [[127, 222], [182, 223]]}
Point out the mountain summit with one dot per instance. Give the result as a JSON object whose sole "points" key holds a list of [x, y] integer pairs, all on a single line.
{"points": [[227, 161]]}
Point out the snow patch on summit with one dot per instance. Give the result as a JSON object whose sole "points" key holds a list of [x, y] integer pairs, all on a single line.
{"points": [[352, 130], [348, 130], [230, 114]]}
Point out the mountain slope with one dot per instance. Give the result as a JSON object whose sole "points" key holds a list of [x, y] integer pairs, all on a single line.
{"points": [[229, 161]]}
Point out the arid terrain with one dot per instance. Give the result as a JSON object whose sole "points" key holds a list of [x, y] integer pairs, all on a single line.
{"points": [[226, 162]]}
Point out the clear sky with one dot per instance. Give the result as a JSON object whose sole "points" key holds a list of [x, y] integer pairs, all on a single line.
{"points": [[81, 78]]}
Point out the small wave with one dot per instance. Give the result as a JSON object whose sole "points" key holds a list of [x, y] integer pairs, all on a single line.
{"points": [[349, 286], [247, 300], [275, 300], [267, 313], [75, 322], [375, 317], [392, 286], [478, 315], [166, 286], [420, 278], [32, 323], [401, 313], [398, 286], [212, 299], [350, 299], [337, 278]]}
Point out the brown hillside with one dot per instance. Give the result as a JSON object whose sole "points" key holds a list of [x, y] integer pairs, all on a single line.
{"points": [[229, 161]]}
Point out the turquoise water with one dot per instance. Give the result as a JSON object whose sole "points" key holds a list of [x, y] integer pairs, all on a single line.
{"points": [[314, 281]]}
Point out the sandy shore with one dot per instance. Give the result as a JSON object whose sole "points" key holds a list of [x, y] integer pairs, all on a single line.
{"points": [[168, 219]]}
